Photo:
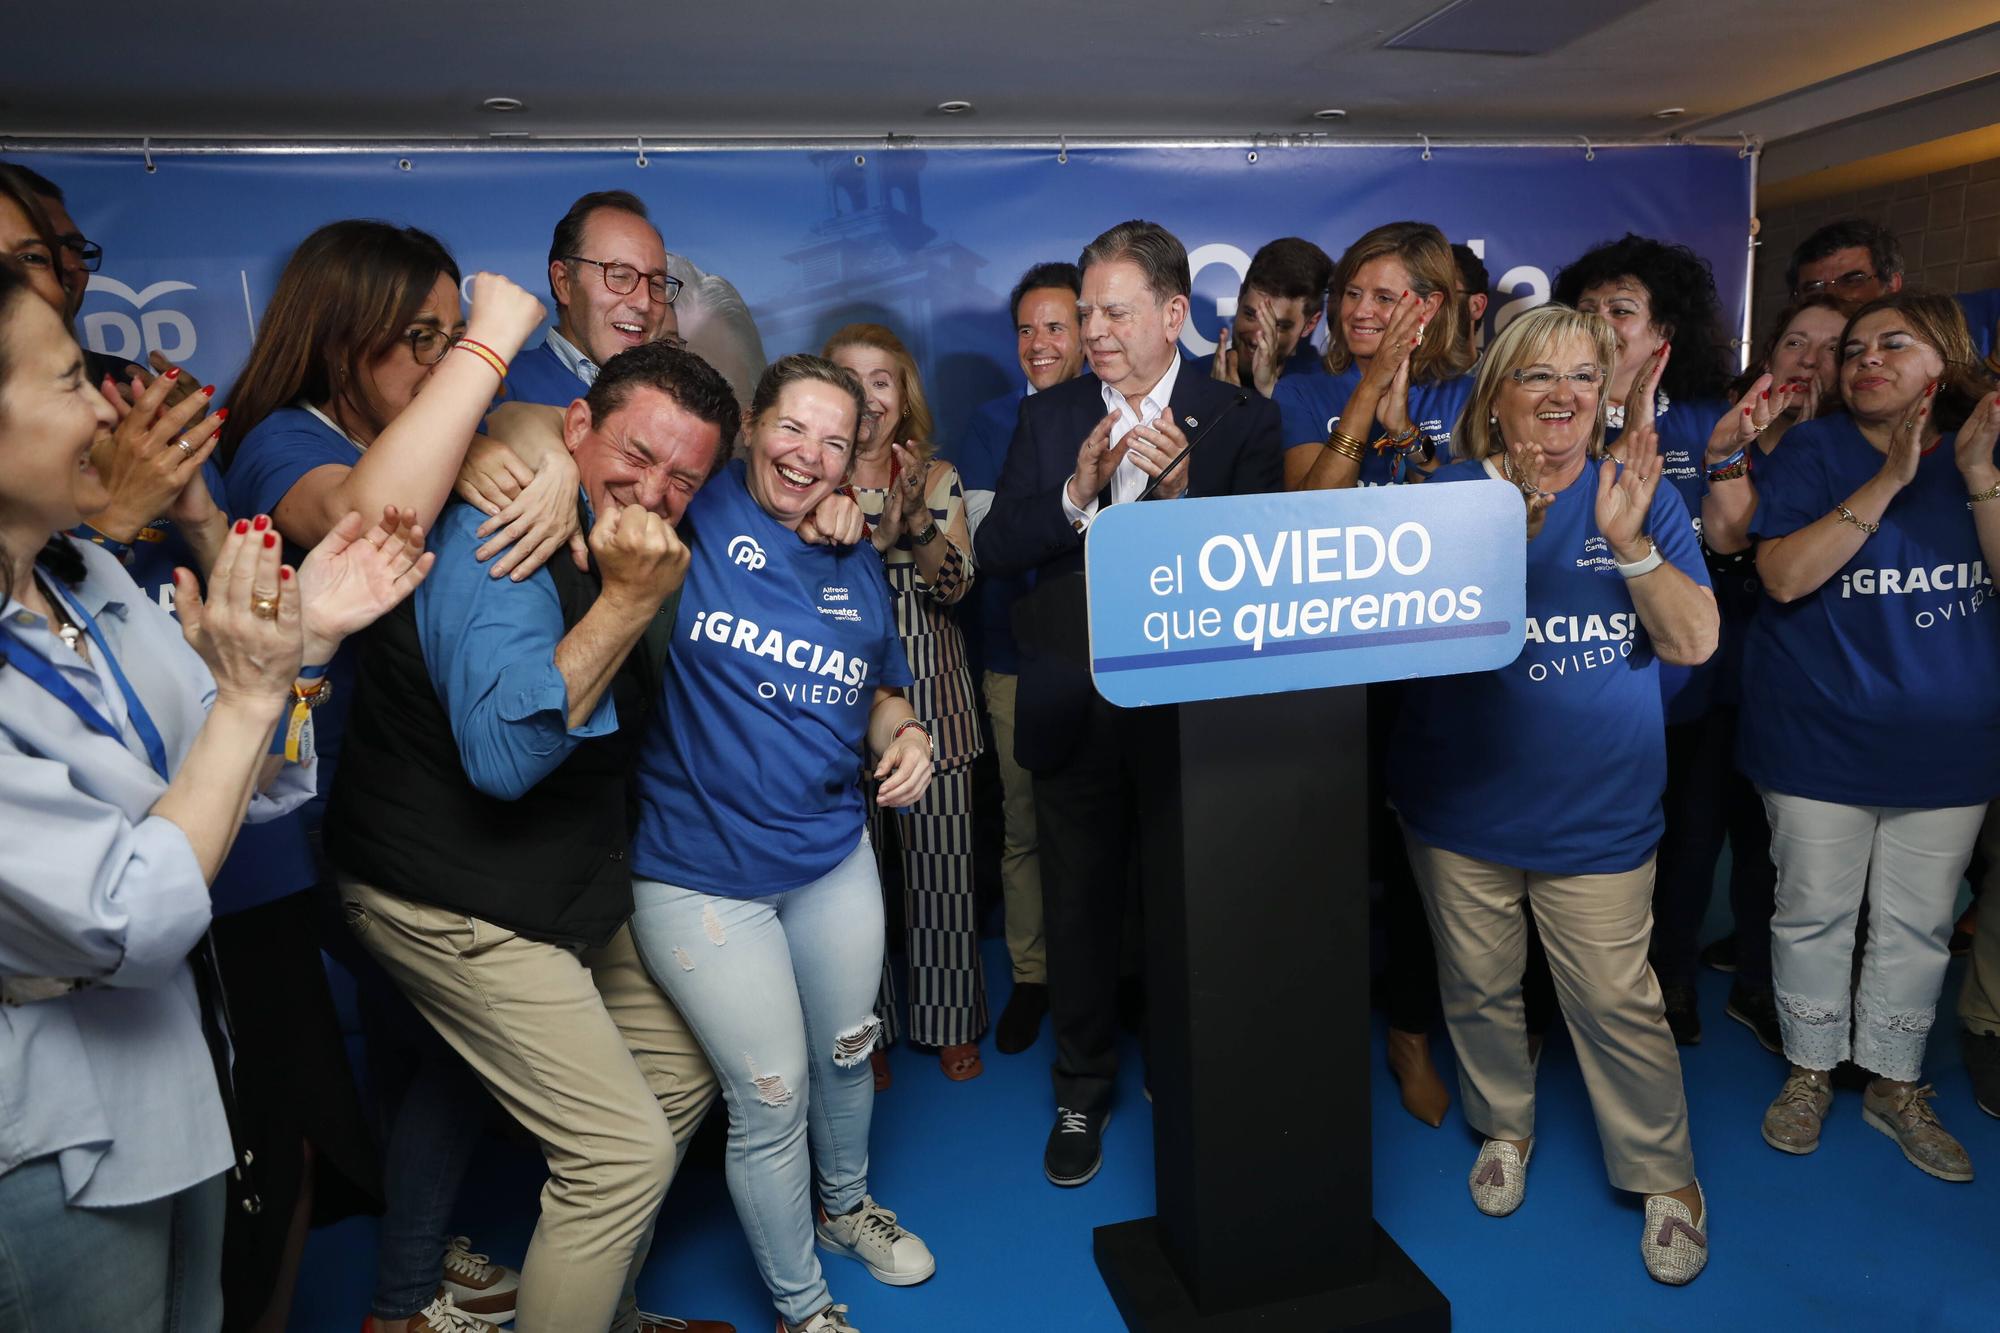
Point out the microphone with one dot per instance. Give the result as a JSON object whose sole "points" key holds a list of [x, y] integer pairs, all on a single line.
{"points": [[1242, 397]]}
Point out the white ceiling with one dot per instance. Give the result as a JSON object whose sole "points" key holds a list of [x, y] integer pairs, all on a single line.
{"points": [[418, 69]]}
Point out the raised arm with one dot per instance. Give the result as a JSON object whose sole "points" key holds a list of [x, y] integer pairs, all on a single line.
{"points": [[414, 462]]}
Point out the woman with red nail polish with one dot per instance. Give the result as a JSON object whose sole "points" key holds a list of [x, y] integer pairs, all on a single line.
{"points": [[1871, 710], [130, 748], [1661, 303]]}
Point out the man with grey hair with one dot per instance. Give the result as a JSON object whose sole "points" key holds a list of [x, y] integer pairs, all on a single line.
{"points": [[1141, 428]]}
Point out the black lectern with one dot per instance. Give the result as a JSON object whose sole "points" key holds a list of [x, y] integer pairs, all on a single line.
{"points": [[1241, 630], [1257, 941]]}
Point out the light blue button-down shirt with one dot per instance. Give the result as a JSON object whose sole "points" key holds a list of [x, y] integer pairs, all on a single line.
{"points": [[115, 1079], [573, 358]]}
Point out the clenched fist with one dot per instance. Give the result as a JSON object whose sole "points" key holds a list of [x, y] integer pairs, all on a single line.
{"points": [[640, 556]]}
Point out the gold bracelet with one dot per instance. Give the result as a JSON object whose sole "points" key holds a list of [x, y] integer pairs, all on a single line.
{"points": [[1847, 516], [1345, 445], [1980, 497]]}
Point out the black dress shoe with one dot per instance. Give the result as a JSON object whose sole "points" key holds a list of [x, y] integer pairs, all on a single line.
{"points": [[1076, 1147], [1758, 1011], [1021, 1021], [1720, 954], [1682, 1016], [1982, 1062]]}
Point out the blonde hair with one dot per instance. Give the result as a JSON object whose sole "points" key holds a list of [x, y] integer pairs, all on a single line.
{"points": [[1426, 256], [916, 408], [1530, 338]]}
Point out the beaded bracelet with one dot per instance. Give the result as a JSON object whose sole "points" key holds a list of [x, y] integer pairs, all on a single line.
{"points": [[1730, 471]]}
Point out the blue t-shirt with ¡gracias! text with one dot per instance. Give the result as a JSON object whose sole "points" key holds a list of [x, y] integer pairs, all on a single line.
{"points": [[749, 779], [1883, 686], [1556, 762], [1310, 403]]}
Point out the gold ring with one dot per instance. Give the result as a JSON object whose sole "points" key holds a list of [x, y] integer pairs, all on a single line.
{"points": [[264, 608], [187, 450]]}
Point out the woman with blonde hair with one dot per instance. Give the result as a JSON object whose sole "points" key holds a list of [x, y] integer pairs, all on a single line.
{"points": [[917, 507], [1395, 367], [1503, 819]]}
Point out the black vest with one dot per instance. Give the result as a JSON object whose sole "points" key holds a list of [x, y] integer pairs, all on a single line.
{"points": [[405, 817]]}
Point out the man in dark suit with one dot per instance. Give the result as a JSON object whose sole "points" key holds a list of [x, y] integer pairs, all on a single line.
{"points": [[1079, 446]]}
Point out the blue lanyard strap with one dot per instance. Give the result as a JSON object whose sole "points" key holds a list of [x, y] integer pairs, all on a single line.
{"points": [[45, 674]]}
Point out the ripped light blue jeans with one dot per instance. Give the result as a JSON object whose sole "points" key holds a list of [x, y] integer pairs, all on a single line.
{"points": [[780, 991]]}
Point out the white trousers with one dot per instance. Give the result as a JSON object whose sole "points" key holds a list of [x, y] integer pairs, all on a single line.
{"points": [[1908, 864]]}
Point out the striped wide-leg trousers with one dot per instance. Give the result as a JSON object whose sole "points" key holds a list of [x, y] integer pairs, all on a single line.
{"points": [[947, 983]]}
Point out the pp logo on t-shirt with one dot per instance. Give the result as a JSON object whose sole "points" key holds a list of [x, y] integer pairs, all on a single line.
{"points": [[744, 550]]}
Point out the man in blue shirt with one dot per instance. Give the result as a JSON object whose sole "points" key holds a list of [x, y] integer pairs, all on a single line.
{"points": [[1278, 308], [481, 825], [1050, 347], [608, 275]]}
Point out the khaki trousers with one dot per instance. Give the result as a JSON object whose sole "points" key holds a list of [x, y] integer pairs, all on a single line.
{"points": [[588, 1055], [1979, 993], [1020, 866], [1596, 929]]}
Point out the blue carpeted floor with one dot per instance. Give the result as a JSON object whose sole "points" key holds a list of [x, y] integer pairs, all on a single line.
{"points": [[1850, 1238]]}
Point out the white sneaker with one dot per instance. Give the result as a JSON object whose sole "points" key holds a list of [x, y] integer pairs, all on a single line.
{"points": [[1674, 1248], [476, 1285], [870, 1234], [833, 1319], [1499, 1178]]}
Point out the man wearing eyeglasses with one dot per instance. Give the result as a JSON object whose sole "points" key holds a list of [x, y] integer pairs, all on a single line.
{"points": [[608, 274], [1857, 261]]}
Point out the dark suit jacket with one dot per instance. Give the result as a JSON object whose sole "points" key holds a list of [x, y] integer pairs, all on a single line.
{"points": [[1027, 533]]}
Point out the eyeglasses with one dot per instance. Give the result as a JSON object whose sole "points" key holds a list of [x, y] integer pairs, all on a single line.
{"points": [[429, 346], [1540, 379], [620, 279], [1846, 282], [89, 254]]}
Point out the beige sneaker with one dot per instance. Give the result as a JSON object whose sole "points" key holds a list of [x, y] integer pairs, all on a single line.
{"points": [[1792, 1122], [1675, 1243], [1906, 1116], [1499, 1178]]}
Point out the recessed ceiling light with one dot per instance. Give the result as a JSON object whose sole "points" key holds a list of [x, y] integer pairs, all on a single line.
{"points": [[954, 107], [1669, 112], [1330, 113], [503, 104]]}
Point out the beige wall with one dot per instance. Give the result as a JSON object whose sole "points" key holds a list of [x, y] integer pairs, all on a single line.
{"points": [[1948, 223]]}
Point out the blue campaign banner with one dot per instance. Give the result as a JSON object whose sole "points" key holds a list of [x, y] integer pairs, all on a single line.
{"points": [[787, 245], [1260, 594]]}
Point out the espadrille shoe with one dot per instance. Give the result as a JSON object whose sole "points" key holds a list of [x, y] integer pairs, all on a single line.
{"points": [[1674, 1247], [1499, 1178]]}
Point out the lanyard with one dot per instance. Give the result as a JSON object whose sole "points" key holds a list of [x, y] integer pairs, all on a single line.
{"points": [[45, 674]]}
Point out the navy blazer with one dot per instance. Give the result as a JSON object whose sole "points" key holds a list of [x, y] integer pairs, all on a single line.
{"points": [[1027, 532]]}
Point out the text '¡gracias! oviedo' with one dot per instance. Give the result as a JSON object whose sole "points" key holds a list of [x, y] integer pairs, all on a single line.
{"points": [[1306, 556]]}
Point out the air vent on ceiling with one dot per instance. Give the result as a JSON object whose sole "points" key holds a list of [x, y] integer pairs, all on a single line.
{"points": [[1510, 27]]}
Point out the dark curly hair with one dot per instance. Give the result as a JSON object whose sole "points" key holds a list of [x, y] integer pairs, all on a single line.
{"points": [[1680, 290]]}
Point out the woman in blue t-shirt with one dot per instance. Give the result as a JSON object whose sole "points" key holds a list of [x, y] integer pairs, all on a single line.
{"points": [[1871, 710], [756, 901], [363, 389], [1536, 788], [1381, 406], [1658, 296]]}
